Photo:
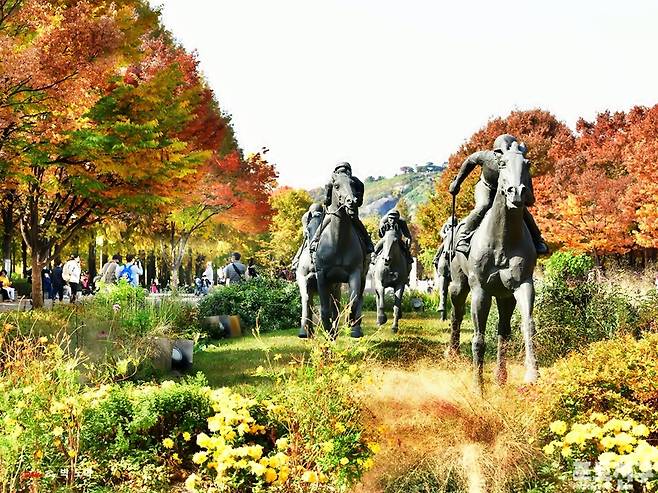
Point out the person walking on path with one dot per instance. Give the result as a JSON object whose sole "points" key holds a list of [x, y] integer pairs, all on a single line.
{"points": [[235, 270], [57, 281], [110, 270], [71, 273], [209, 273]]}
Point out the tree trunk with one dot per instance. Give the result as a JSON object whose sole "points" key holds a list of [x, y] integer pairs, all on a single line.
{"points": [[91, 260], [7, 236], [24, 257], [37, 289]]}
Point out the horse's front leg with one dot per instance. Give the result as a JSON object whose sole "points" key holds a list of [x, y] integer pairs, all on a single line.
{"points": [[443, 281], [525, 299], [356, 283], [397, 307], [326, 304], [380, 290], [458, 292], [480, 306]]}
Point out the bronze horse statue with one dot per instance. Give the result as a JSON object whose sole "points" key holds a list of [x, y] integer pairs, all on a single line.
{"points": [[391, 270], [339, 256], [442, 266], [500, 264]]}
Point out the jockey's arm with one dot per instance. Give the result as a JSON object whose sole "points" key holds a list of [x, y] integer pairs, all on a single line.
{"points": [[469, 164], [404, 229]]}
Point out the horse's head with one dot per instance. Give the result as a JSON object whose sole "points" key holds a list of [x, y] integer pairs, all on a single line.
{"points": [[315, 215], [390, 238], [514, 175], [343, 192]]}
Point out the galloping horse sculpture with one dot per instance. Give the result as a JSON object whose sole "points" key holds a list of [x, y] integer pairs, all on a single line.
{"points": [[391, 271], [442, 266], [336, 254], [500, 264]]}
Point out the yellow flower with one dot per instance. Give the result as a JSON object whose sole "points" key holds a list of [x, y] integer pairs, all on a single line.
{"points": [[277, 357], [368, 463], [558, 427], [599, 418], [200, 457], [566, 452], [72, 453], [353, 369], [549, 449], [328, 446], [282, 443], [374, 447], [270, 475], [190, 482], [255, 452], [322, 477], [168, 443], [257, 469], [203, 440], [58, 431], [608, 442], [187, 436], [43, 339], [340, 427], [344, 461], [310, 477], [640, 430]]}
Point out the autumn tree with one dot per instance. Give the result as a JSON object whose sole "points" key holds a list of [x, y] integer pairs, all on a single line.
{"points": [[285, 230], [546, 138]]}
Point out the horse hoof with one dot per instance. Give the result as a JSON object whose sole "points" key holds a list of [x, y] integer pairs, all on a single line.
{"points": [[381, 320], [356, 332], [444, 315], [303, 334], [394, 329]]}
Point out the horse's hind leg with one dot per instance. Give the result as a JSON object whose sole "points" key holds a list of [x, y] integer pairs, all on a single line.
{"points": [[480, 306], [458, 290], [505, 310], [397, 307], [307, 301]]}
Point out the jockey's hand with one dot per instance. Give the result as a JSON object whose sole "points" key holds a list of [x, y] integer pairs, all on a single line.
{"points": [[454, 188]]}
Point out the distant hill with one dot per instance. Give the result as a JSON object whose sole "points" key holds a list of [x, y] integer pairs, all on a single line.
{"points": [[382, 194]]}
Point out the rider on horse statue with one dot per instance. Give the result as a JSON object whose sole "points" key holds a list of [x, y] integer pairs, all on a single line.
{"points": [[485, 192], [317, 209], [392, 220]]}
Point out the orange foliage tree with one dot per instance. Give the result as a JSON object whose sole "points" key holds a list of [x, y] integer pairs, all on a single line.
{"points": [[546, 138]]}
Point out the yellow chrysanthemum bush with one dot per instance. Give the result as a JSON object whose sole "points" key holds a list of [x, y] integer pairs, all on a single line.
{"points": [[243, 448], [332, 443], [618, 377], [603, 454], [40, 415], [311, 436]]}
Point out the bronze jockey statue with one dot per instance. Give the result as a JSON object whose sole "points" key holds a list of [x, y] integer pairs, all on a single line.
{"points": [[392, 220], [485, 191]]}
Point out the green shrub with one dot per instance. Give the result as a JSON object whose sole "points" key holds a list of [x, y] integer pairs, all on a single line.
{"points": [[22, 286], [564, 266], [274, 303], [430, 301]]}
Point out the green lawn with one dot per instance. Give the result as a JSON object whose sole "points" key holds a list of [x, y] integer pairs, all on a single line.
{"points": [[233, 362]]}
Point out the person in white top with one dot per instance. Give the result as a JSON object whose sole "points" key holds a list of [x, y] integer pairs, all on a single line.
{"points": [[71, 274], [209, 273]]}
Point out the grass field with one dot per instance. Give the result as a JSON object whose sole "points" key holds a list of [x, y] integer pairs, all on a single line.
{"points": [[425, 404], [233, 362]]}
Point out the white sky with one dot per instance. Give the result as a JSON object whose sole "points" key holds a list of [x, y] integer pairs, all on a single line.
{"points": [[387, 83]]}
